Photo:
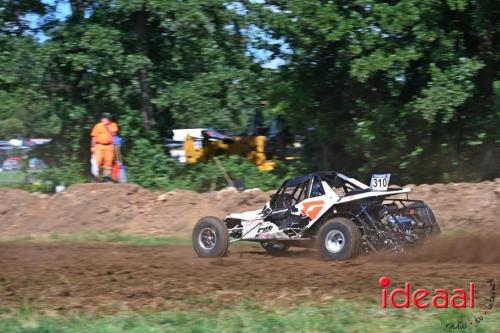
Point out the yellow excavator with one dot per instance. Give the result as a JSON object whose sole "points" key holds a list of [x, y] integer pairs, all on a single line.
{"points": [[260, 146], [214, 144]]}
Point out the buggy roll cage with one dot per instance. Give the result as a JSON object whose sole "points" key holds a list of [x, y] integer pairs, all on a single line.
{"points": [[305, 183]]}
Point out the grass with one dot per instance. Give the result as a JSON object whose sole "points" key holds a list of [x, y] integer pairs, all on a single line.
{"points": [[104, 236], [12, 178], [119, 237], [338, 316]]}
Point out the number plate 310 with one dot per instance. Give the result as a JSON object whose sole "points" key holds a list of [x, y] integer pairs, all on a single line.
{"points": [[380, 182]]}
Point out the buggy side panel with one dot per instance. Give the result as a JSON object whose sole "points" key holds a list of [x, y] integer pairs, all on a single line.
{"points": [[316, 206]]}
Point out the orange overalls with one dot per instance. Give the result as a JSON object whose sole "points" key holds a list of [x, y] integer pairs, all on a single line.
{"points": [[104, 151]]}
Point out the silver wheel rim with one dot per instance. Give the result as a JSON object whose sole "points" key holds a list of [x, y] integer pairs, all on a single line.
{"points": [[207, 238], [334, 241]]}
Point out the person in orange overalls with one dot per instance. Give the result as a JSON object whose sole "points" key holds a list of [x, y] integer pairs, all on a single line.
{"points": [[102, 144]]}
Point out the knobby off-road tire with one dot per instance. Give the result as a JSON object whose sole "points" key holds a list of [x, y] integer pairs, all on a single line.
{"points": [[210, 238], [339, 239], [275, 248], [426, 215]]}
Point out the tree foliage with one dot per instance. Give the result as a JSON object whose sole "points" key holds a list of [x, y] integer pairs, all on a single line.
{"points": [[406, 86], [391, 85]]}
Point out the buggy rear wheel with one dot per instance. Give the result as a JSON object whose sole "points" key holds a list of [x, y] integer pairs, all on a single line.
{"points": [[339, 239], [210, 237], [426, 216]]}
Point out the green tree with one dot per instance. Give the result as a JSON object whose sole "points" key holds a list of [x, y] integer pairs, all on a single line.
{"points": [[390, 85], [24, 108]]}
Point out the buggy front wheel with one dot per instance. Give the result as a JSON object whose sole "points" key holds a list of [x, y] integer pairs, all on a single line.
{"points": [[210, 238]]}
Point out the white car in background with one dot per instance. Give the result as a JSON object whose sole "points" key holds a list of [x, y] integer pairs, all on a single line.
{"points": [[11, 164]]}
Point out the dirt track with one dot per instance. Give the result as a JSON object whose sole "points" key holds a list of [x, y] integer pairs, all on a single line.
{"points": [[112, 278]]}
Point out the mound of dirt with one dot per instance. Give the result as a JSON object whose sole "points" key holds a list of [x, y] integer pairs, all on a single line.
{"points": [[128, 208], [133, 209], [462, 205]]}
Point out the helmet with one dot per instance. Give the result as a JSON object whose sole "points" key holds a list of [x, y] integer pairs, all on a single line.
{"points": [[106, 115]]}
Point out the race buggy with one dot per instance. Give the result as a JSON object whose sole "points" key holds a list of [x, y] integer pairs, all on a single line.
{"points": [[339, 215]]}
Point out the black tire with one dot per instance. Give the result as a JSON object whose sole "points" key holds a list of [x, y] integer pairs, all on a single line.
{"points": [[339, 239], [426, 216], [275, 248], [210, 238]]}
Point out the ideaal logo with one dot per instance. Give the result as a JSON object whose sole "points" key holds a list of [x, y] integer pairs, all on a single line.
{"points": [[458, 298]]}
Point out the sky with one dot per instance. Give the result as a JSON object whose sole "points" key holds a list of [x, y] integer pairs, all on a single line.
{"points": [[63, 10]]}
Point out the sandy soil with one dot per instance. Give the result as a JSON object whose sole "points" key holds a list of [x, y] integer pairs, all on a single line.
{"points": [[112, 278]]}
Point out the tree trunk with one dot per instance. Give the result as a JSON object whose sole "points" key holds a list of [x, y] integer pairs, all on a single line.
{"points": [[486, 78], [146, 96], [147, 111], [77, 7]]}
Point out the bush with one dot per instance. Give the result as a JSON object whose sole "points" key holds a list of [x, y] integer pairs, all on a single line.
{"points": [[47, 180], [209, 176], [149, 166]]}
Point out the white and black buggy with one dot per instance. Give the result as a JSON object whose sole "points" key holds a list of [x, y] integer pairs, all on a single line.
{"points": [[338, 215]]}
